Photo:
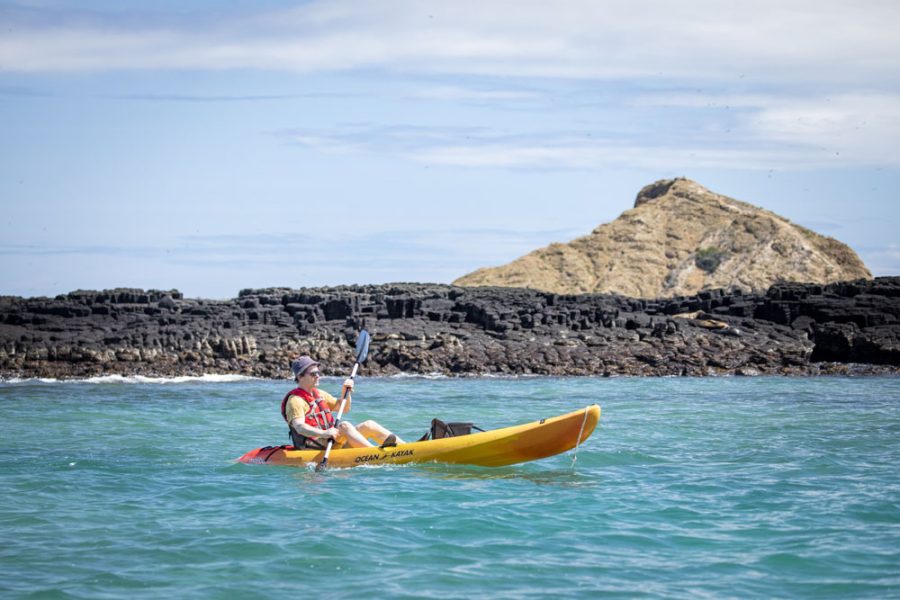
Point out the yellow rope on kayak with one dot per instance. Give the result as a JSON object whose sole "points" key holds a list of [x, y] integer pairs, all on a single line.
{"points": [[578, 441]]}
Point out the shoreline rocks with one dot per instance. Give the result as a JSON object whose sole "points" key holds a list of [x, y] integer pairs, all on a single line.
{"points": [[792, 329]]}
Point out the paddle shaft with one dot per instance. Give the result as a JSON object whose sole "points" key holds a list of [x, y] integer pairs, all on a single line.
{"points": [[362, 351], [346, 393]]}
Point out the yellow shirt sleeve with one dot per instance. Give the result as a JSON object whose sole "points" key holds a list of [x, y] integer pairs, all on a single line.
{"points": [[296, 408], [332, 402]]}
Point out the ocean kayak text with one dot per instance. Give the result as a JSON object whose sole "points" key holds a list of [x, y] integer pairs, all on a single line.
{"points": [[371, 457]]}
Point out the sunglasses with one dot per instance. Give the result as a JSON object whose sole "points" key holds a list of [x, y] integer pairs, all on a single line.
{"points": [[314, 374]]}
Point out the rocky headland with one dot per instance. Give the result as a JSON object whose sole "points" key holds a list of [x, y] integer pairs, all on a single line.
{"points": [[680, 239], [793, 329]]}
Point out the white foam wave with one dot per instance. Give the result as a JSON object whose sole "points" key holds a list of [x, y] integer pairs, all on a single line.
{"points": [[206, 378], [106, 379], [473, 375], [435, 375]]}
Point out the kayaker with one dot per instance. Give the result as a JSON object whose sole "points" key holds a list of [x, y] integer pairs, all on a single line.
{"points": [[308, 412]]}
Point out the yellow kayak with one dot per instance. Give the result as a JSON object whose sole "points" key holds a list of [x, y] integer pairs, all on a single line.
{"points": [[494, 448]]}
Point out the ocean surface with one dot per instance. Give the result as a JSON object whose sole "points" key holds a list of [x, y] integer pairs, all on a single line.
{"points": [[689, 488]]}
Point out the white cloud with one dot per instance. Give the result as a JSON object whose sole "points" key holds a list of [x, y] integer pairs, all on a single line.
{"points": [[793, 85], [327, 145], [456, 93], [751, 146], [599, 156], [863, 128], [701, 100], [860, 127], [419, 248], [767, 40]]}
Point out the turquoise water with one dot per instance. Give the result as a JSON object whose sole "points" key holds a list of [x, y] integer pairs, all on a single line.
{"points": [[690, 488]]}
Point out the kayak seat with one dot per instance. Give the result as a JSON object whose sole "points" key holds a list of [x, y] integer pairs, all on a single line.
{"points": [[301, 442], [440, 430]]}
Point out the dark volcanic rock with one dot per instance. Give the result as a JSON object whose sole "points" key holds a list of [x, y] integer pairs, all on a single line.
{"points": [[849, 327]]}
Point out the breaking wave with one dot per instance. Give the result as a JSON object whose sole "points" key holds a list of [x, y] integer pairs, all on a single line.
{"points": [[118, 379]]}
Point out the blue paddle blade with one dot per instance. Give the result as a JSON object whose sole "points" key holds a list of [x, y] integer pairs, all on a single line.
{"points": [[362, 346]]}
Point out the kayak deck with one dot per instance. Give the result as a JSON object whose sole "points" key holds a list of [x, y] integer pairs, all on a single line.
{"points": [[494, 448]]}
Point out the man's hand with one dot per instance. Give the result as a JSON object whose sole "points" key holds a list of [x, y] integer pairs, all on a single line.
{"points": [[347, 387]]}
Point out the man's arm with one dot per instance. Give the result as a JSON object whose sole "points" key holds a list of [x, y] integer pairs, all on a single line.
{"points": [[347, 389], [304, 428]]}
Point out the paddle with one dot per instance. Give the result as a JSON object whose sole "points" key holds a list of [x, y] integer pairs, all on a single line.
{"points": [[362, 351]]}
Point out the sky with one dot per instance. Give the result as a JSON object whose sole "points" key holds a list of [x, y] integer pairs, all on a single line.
{"points": [[212, 146]]}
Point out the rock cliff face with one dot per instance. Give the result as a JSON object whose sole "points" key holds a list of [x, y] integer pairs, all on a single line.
{"points": [[680, 239], [791, 329]]}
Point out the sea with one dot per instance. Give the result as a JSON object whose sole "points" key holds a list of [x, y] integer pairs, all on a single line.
{"points": [[731, 487]]}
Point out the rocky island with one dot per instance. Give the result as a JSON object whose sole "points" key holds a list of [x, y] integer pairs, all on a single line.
{"points": [[688, 282], [793, 329], [680, 239]]}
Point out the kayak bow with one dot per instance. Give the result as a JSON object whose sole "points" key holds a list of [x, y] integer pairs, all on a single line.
{"points": [[494, 448]]}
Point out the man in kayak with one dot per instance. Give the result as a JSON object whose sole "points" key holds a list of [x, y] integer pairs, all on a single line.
{"points": [[308, 412]]}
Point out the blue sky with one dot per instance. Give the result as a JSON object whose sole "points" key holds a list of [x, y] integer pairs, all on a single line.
{"points": [[215, 146]]}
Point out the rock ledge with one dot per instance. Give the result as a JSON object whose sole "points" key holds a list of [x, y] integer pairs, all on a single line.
{"points": [[849, 327]]}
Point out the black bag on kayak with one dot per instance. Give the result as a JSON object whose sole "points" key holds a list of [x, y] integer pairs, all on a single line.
{"points": [[440, 430]]}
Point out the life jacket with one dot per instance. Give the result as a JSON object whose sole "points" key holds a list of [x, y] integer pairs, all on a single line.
{"points": [[319, 415]]}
